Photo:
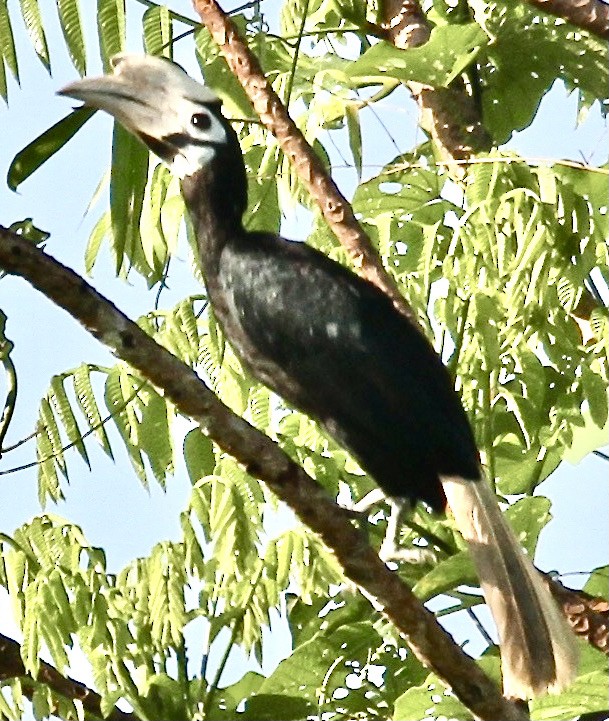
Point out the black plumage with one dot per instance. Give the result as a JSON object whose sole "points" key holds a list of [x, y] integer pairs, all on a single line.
{"points": [[329, 342]]}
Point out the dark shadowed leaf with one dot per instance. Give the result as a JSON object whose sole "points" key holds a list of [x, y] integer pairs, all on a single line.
{"points": [[45, 146]]}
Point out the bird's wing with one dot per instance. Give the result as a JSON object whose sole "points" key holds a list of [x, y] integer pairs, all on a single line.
{"points": [[332, 344]]}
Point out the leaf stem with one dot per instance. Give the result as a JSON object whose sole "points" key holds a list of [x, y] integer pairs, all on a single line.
{"points": [[213, 687], [454, 361], [176, 16], [67, 447], [305, 13]]}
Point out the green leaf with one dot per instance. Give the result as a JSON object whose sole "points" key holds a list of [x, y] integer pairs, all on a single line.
{"points": [[27, 229], [586, 439], [3, 85], [71, 26], [51, 429], [450, 49], [101, 230], [597, 395], [269, 707], [291, 16], [155, 434], [31, 631], [530, 51], [127, 185], [189, 328], [430, 699], [218, 75], [263, 200], [152, 233], [61, 404], [120, 398], [446, 576], [7, 45], [519, 469], [527, 517], [284, 547], [48, 481], [226, 700], [198, 455], [193, 552], [45, 146], [158, 31], [88, 405], [33, 23], [166, 595], [260, 411], [110, 29], [43, 704], [355, 136], [598, 583], [585, 182], [299, 675]]}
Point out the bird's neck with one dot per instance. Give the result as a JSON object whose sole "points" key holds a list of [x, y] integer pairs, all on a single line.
{"points": [[216, 198]]}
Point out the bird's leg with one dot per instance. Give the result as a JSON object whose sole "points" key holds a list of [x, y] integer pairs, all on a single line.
{"points": [[358, 512], [390, 550], [373, 498], [398, 516]]}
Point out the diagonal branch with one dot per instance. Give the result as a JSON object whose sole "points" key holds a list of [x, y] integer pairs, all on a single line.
{"points": [[265, 460], [11, 666], [590, 15], [335, 208]]}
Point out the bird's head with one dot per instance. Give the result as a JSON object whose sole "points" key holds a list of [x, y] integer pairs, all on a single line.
{"points": [[176, 117]]}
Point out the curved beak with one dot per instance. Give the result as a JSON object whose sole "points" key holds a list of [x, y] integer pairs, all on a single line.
{"points": [[139, 88]]}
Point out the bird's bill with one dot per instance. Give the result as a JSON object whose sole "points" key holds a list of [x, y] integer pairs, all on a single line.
{"points": [[155, 99], [138, 87]]}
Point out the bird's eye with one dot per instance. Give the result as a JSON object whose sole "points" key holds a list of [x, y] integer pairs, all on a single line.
{"points": [[202, 121]]}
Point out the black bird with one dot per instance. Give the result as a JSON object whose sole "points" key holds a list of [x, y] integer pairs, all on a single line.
{"points": [[333, 346]]}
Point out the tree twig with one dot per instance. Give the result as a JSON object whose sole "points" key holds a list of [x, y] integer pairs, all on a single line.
{"points": [[6, 346]]}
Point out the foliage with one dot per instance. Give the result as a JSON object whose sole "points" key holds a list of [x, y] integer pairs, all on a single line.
{"points": [[495, 268]]}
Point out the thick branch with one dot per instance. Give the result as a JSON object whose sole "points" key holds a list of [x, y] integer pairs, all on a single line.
{"points": [[450, 115], [335, 208], [265, 460], [11, 666], [590, 15], [404, 23]]}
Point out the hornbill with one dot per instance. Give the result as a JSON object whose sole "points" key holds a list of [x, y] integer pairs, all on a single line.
{"points": [[333, 345]]}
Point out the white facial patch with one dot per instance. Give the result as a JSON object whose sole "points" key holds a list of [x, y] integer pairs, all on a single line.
{"points": [[190, 159]]}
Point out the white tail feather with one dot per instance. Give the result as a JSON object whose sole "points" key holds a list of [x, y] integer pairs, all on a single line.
{"points": [[538, 651]]}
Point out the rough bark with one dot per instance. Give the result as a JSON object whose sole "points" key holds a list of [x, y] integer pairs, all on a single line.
{"points": [[450, 115], [590, 15], [588, 615]]}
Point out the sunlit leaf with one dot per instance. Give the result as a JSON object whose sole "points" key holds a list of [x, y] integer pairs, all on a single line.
{"points": [[71, 26], [32, 18]]}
